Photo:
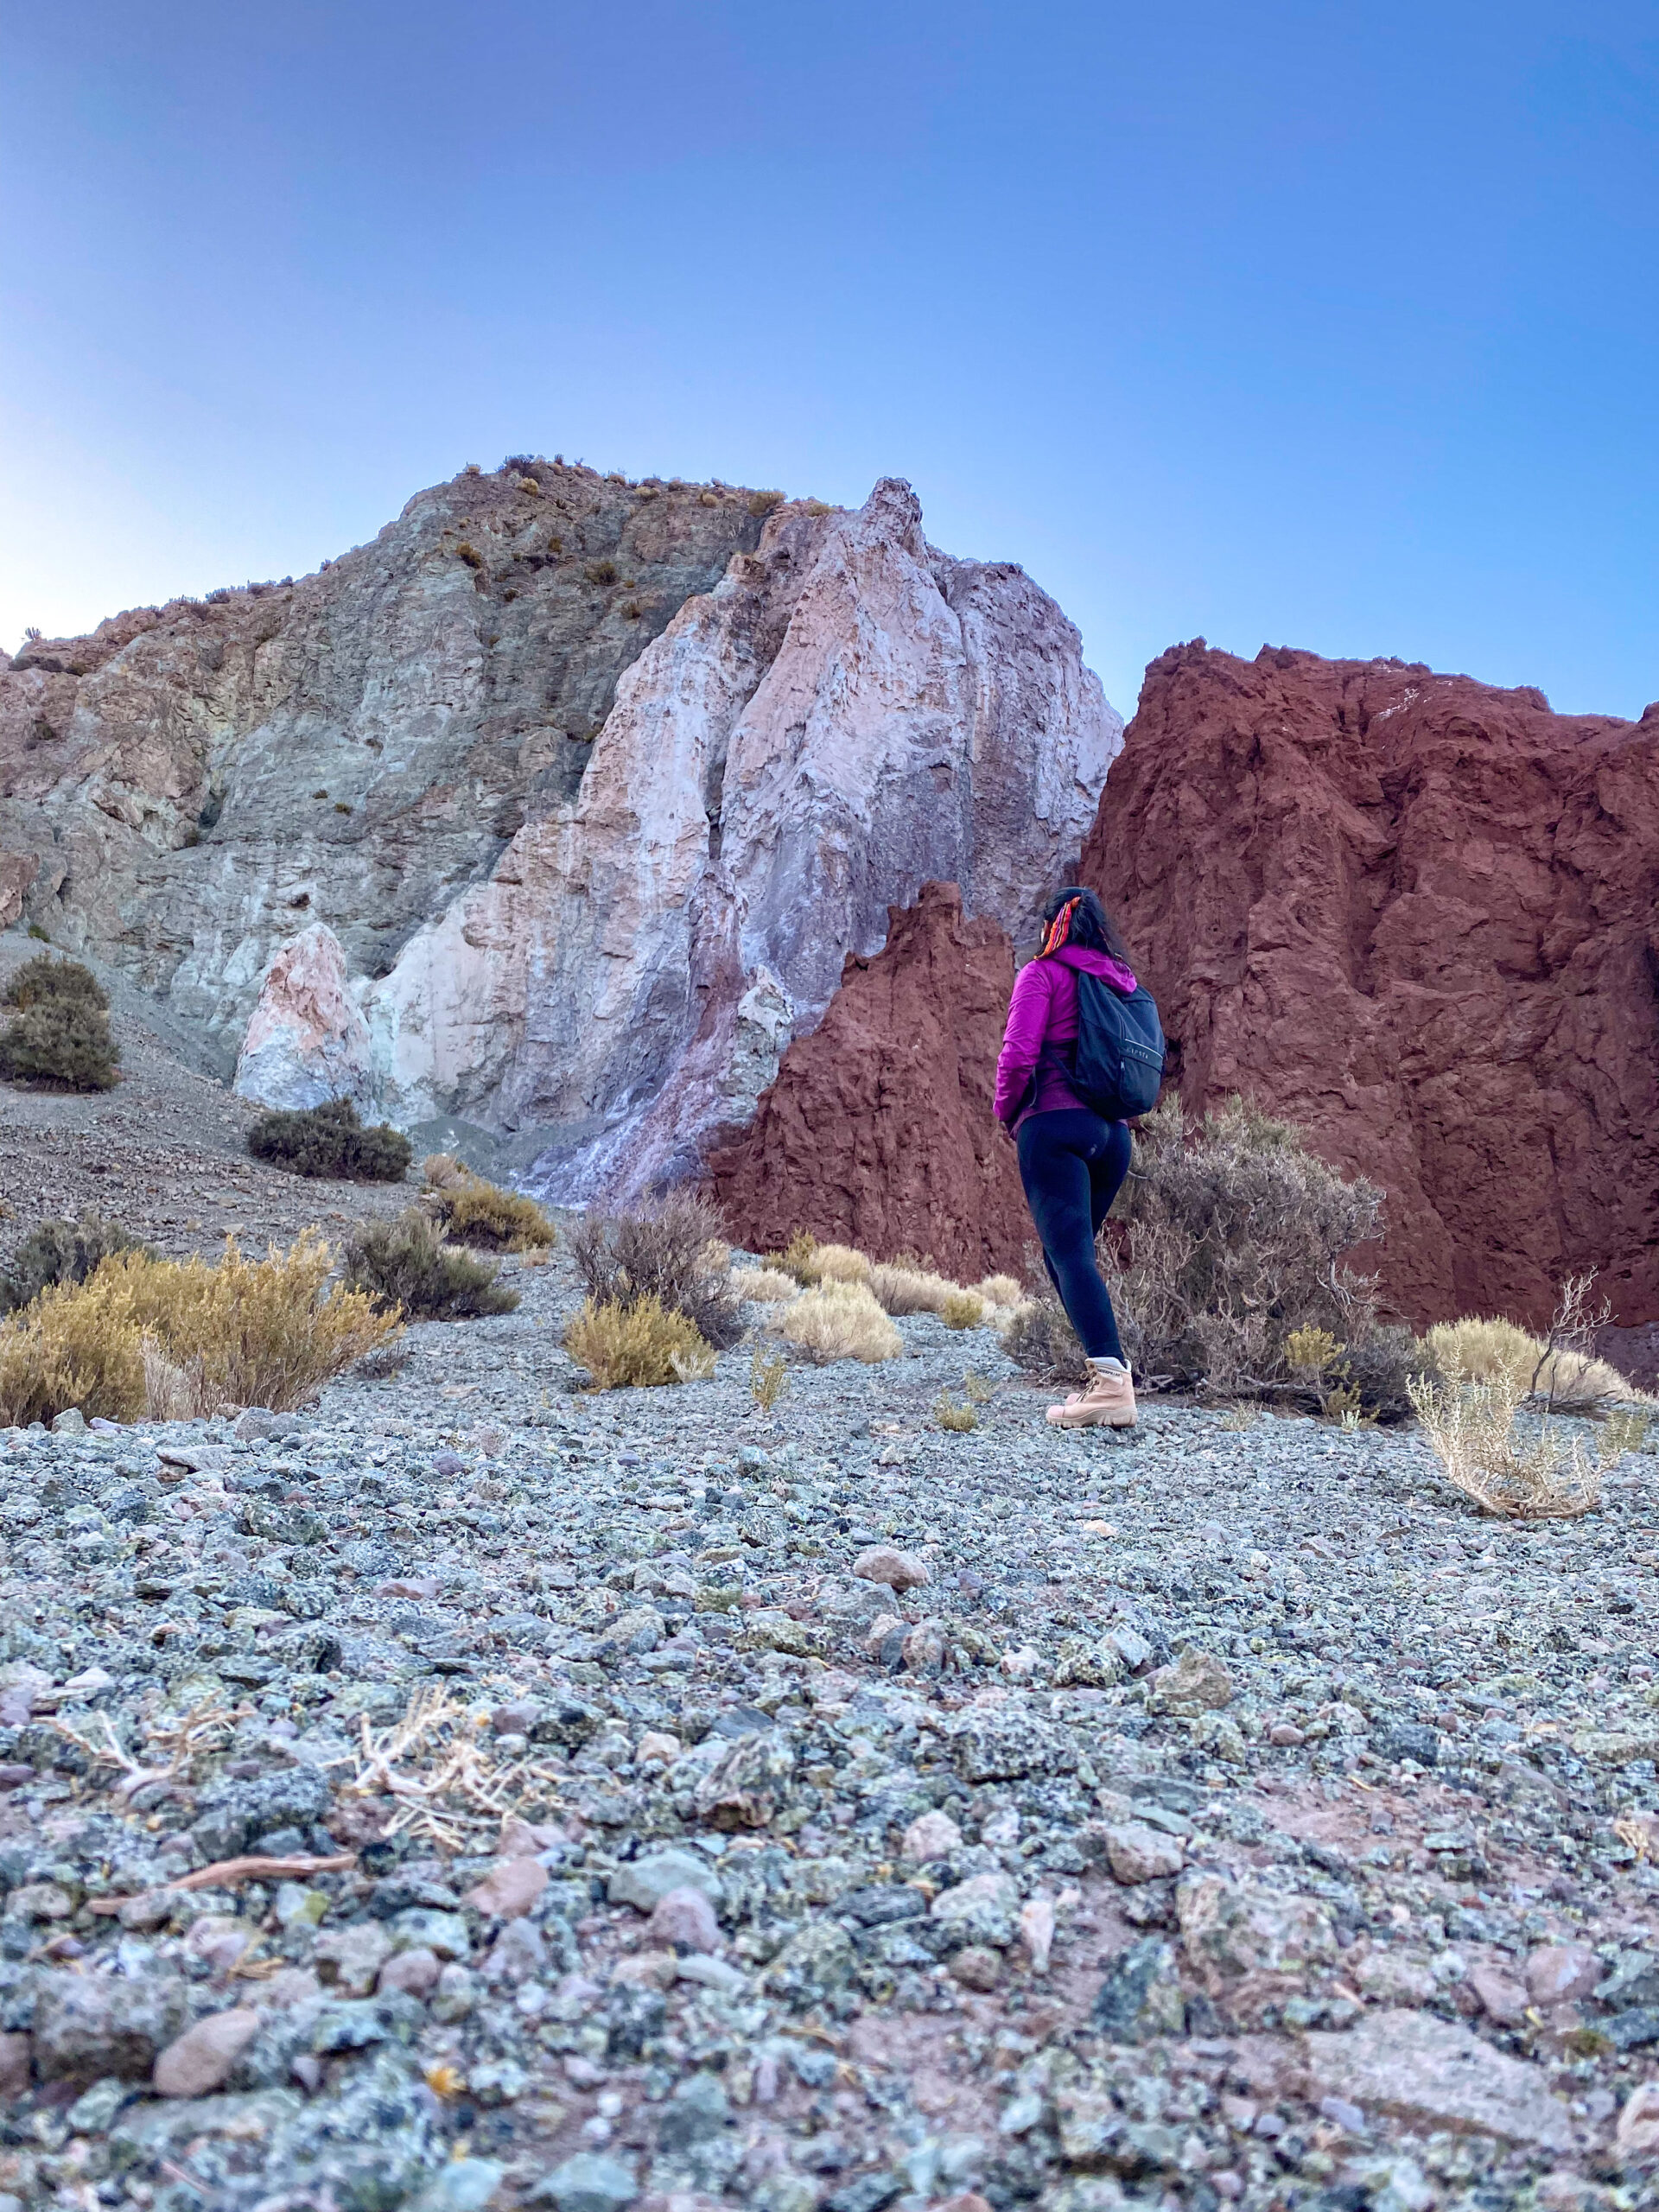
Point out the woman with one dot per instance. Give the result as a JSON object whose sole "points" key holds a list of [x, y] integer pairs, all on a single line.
{"points": [[1071, 1163]]}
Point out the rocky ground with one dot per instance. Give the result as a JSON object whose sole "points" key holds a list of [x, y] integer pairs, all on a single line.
{"points": [[683, 1802]]}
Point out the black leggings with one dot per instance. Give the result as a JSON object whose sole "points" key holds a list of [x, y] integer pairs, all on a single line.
{"points": [[1072, 1165]]}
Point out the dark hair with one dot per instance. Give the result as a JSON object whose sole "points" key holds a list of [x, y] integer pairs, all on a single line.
{"points": [[1091, 926]]}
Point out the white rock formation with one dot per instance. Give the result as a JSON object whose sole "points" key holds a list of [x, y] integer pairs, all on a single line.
{"points": [[848, 714], [307, 1041]]}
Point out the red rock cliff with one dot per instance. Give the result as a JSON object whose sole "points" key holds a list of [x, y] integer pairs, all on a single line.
{"points": [[1420, 916], [878, 1130]]}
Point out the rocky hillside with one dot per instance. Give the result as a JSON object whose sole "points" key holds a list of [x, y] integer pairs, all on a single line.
{"points": [[1417, 913], [555, 810]]}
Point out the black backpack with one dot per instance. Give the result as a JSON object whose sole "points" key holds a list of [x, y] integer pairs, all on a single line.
{"points": [[1119, 1068]]}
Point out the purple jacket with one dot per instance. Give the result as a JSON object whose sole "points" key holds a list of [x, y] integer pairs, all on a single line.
{"points": [[1033, 1067]]}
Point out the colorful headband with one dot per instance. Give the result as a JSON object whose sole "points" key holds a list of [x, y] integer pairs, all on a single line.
{"points": [[1059, 929]]}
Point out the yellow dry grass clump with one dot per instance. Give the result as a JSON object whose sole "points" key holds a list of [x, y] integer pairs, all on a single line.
{"points": [[1494, 1350], [840, 1320], [840, 1264], [910, 1290], [640, 1344], [1001, 1291], [172, 1339], [767, 1285], [964, 1309], [481, 1214]]}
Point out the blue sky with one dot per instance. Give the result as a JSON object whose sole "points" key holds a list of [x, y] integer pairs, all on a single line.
{"points": [[1334, 326]]}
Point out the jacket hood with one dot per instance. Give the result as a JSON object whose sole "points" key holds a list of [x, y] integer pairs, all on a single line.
{"points": [[1092, 963]]}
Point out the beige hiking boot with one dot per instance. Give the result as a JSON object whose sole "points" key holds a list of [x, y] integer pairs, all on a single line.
{"points": [[1107, 1402]]}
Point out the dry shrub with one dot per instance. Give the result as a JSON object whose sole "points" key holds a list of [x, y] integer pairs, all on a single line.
{"points": [[492, 1220], [1232, 1237], [1492, 1350], [767, 1285], [441, 1170], [902, 1289], [1001, 1292], [63, 1251], [768, 1378], [331, 1141], [241, 1333], [405, 1266], [839, 1321], [839, 1263], [172, 1392], [963, 1309], [663, 1255], [951, 1414], [45, 981], [800, 1258], [1471, 1429], [644, 1344], [1037, 1337]]}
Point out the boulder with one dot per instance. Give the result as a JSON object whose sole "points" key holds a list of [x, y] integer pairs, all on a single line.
{"points": [[307, 1041]]}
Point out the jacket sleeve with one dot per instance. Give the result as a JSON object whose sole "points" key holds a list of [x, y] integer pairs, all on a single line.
{"points": [[1022, 1040]]}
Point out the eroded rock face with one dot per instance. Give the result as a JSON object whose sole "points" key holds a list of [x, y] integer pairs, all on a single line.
{"points": [[878, 1131], [847, 715], [596, 786], [193, 786], [1417, 914], [307, 1041]]}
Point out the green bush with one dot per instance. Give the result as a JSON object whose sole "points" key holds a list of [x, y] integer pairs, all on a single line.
{"points": [[331, 1141], [405, 1263], [44, 980], [68, 1045], [64, 1251]]}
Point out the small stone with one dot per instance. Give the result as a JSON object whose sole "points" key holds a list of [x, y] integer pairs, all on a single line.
{"points": [[1140, 1997], [349, 1959], [416, 1973], [202, 2059], [925, 1647], [899, 1570], [463, 2185], [590, 2182], [14, 2066], [1395, 1977], [1637, 2133], [1231, 1929], [1137, 1853], [930, 1836], [1559, 1974], [1198, 1682], [88, 2025], [1131, 1647], [657, 1747], [979, 1911], [711, 1973], [1286, 1735], [515, 1719], [1431, 2075], [645, 1881], [72, 1423], [686, 1917], [518, 1955], [1037, 1930], [508, 1890], [977, 1967], [1502, 1998]]}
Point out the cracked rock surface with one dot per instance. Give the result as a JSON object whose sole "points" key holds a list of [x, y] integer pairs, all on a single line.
{"points": [[474, 1791]]}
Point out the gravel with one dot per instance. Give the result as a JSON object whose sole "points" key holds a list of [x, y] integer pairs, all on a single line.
{"points": [[1219, 1813]]}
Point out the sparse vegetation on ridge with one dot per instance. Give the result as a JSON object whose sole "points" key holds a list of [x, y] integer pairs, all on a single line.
{"points": [[331, 1141], [407, 1268], [59, 1031]]}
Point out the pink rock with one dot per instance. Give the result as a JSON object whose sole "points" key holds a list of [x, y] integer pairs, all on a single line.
{"points": [[1137, 1853], [202, 2060], [1037, 1930], [930, 1835], [899, 1570], [1637, 2134], [408, 1585], [414, 1972], [1501, 1999], [1557, 1973], [307, 1041], [685, 1917], [976, 1966], [510, 1890]]}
